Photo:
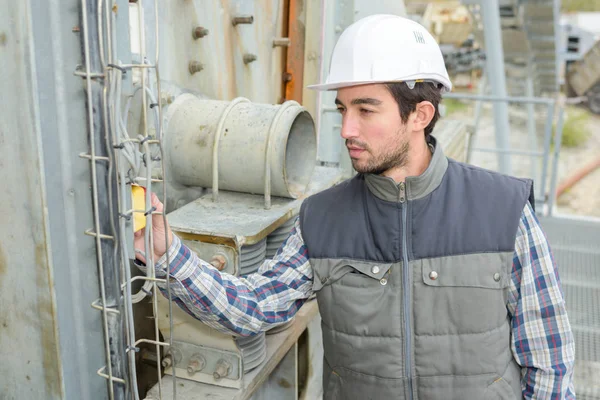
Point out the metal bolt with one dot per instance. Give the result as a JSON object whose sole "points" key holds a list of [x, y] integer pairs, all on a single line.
{"points": [[222, 369], [242, 19], [283, 42], [248, 58], [199, 32], [195, 66], [286, 77], [497, 277], [219, 262], [196, 364], [433, 275], [167, 361]]}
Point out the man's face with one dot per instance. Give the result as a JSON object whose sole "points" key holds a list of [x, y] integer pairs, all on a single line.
{"points": [[375, 134]]}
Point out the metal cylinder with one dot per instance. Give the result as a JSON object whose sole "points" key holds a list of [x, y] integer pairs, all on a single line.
{"points": [[242, 130]]}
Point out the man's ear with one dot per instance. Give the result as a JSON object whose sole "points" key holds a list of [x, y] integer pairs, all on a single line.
{"points": [[423, 115]]}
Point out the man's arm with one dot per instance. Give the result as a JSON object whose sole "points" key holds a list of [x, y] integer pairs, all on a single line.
{"points": [[542, 341], [236, 305]]}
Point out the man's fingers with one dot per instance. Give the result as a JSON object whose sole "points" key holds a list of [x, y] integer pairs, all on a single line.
{"points": [[156, 202]]}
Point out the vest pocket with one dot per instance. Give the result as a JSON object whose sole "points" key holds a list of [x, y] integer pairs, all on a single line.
{"points": [[332, 391], [345, 384], [357, 298], [499, 390], [462, 294], [354, 273]]}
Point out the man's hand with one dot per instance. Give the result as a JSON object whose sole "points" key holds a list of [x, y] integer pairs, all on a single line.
{"points": [[159, 231]]}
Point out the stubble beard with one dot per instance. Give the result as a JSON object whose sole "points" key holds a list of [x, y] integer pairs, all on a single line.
{"points": [[393, 157]]}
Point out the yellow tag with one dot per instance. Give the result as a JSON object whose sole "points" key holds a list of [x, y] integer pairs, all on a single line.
{"points": [[138, 201]]}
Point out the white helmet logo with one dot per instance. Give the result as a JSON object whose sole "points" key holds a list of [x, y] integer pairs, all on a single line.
{"points": [[419, 37]]}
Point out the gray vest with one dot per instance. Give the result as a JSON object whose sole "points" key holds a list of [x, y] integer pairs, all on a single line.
{"points": [[411, 282]]}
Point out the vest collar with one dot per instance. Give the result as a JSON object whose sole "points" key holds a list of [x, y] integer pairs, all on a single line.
{"points": [[417, 187]]}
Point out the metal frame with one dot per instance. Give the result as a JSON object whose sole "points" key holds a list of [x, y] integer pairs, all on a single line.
{"points": [[99, 32], [550, 104]]}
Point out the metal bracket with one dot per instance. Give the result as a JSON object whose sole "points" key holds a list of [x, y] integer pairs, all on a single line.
{"points": [[212, 358]]}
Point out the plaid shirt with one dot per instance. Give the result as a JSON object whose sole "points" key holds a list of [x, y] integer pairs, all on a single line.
{"points": [[542, 341]]}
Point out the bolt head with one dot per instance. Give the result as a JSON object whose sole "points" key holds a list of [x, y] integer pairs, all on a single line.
{"points": [[199, 32], [195, 66], [248, 58]]}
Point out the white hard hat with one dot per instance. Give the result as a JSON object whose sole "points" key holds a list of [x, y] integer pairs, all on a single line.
{"points": [[385, 48]]}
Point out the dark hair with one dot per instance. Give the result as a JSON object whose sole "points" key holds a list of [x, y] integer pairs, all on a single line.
{"points": [[408, 99]]}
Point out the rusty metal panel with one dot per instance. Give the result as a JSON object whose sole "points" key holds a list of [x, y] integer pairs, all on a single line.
{"points": [[233, 60], [294, 76]]}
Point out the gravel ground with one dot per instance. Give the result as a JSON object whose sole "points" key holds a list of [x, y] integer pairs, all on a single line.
{"points": [[583, 199]]}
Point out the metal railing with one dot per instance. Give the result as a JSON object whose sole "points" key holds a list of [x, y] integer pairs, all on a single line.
{"points": [[553, 107]]}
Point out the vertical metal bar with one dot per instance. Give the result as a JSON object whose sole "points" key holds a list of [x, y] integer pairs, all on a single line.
{"points": [[90, 108], [148, 236], [531, 121], [557, 146], [478, 107], [547, 140], [164, 186], [558, 52], [496, 77], [100, 36]]}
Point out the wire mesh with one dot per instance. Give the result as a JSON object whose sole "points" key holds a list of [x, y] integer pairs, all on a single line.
{"points": [[127, 159]]}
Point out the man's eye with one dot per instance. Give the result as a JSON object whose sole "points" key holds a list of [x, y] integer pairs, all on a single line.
{"points": [[340, 110], [365, 111]]}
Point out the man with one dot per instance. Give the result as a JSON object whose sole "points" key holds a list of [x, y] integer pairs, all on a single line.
{"points": [[433, 278]]}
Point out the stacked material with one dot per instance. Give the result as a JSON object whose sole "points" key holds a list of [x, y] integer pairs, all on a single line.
{"points": [[252, 257], [253, 349], [278, 236]]}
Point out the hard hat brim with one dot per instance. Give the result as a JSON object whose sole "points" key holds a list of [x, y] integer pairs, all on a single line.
{"points": [[338, 85]]}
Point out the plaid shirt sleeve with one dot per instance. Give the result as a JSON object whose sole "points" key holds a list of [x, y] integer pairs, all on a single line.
{"points": [[240, 305], [542, 341]]}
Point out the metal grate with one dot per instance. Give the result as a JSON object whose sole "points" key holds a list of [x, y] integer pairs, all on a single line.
{"points": [[575, 246], [129, 159]]}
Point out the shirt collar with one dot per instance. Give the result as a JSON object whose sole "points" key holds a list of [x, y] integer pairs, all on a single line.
{"points": [[417, 187]]}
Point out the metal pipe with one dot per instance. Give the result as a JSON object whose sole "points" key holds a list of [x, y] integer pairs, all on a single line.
{"points": [[577, 176], [516, 152], [284, 107], [478, 107], [493, 98], [547, 140], [557, 146], [531, 121], [496, 76], [222, 145]]}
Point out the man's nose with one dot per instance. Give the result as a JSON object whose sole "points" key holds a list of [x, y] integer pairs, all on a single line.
{"points": [[349, 128]]}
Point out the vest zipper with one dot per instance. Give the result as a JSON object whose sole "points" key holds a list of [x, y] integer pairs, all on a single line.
{"points": [[406, 287]]}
